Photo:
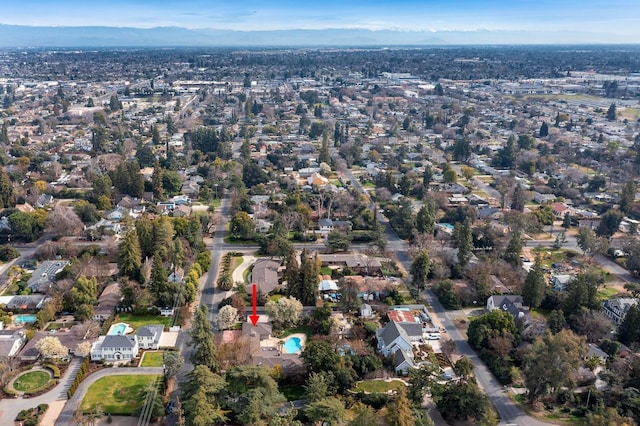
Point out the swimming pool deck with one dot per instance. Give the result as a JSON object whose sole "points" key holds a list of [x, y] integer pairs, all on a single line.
{"points": [[128, 329], [273, 343]]}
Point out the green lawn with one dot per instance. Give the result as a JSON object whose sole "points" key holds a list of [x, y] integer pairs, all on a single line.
{"points": [[235, 262], [117, 394], [31, 380], [607, 292], [325, 270], [152, 359], [379, 385], [137, 321]]}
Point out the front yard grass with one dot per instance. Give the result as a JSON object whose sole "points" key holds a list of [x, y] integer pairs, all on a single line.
{"points": [[137, 321], [31, 380], [152, 359], [117, 394], [379, 386]]}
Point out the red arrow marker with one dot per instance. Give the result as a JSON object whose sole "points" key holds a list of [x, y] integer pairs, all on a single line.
{"points": [[254, 298]]}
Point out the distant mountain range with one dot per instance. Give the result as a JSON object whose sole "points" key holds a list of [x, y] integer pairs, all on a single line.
{"points": [[29, 36]]}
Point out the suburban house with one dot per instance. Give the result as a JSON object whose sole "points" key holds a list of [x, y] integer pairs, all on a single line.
{"points": [[114, 348], [11, 341], [559, 210], [45, 276], [360, 263], [403, 362], [507, 303], [265, 275], [19, 302], [109, 299], [393, 340], [366, 311], [393, 337], [617, 308], [123, 347], [70, 338], [148, 336], [327, 225]]}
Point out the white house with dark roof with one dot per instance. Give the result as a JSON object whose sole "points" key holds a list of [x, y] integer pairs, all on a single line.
{"points": [[115, 348], [617, 308], [148, 336], [393, 337], [11, 341]]}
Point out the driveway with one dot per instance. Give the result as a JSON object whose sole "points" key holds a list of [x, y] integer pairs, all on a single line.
{"points": [[72, 405], [9, 408]]}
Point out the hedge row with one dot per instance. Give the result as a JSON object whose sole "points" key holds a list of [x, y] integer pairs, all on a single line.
{"points": [[9, 391], [104, 329], [81, 373], [54, 369]]}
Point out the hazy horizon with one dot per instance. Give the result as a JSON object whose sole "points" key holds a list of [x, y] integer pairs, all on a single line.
{"points": [[616, 21]]}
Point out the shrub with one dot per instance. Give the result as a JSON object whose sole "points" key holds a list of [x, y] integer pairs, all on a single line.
{"points": [[9, 391], [54, 370]]}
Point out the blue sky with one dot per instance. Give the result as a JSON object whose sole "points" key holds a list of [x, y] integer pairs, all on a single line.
{"points": [[612, 17]]}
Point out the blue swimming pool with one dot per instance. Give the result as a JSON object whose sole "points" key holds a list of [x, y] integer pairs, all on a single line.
{"points": [[292, 345], [117, 329], [24, 318]]}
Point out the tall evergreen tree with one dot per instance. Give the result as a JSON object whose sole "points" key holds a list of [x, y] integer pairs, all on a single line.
{"points": [[129, 256], [292, 274], [156, 181], [158, 281], [309, 271], [419, 270], [533, 289], [544, 130], [144, 230], [513, 250], [519, 198], [201, 333], [399, 411], [463, 241], [426, 217], [7, 197]]}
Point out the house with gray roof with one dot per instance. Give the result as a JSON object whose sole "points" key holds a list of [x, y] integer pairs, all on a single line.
{"points": [[507, 303], [265, 275], [617, 308], [148, 336], [393, 337], [115, 348], [11, 341], [45, 276]]}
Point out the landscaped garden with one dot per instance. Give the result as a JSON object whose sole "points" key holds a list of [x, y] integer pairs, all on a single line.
{"points": [[152, 359], [120, 394], [31, 380]]}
